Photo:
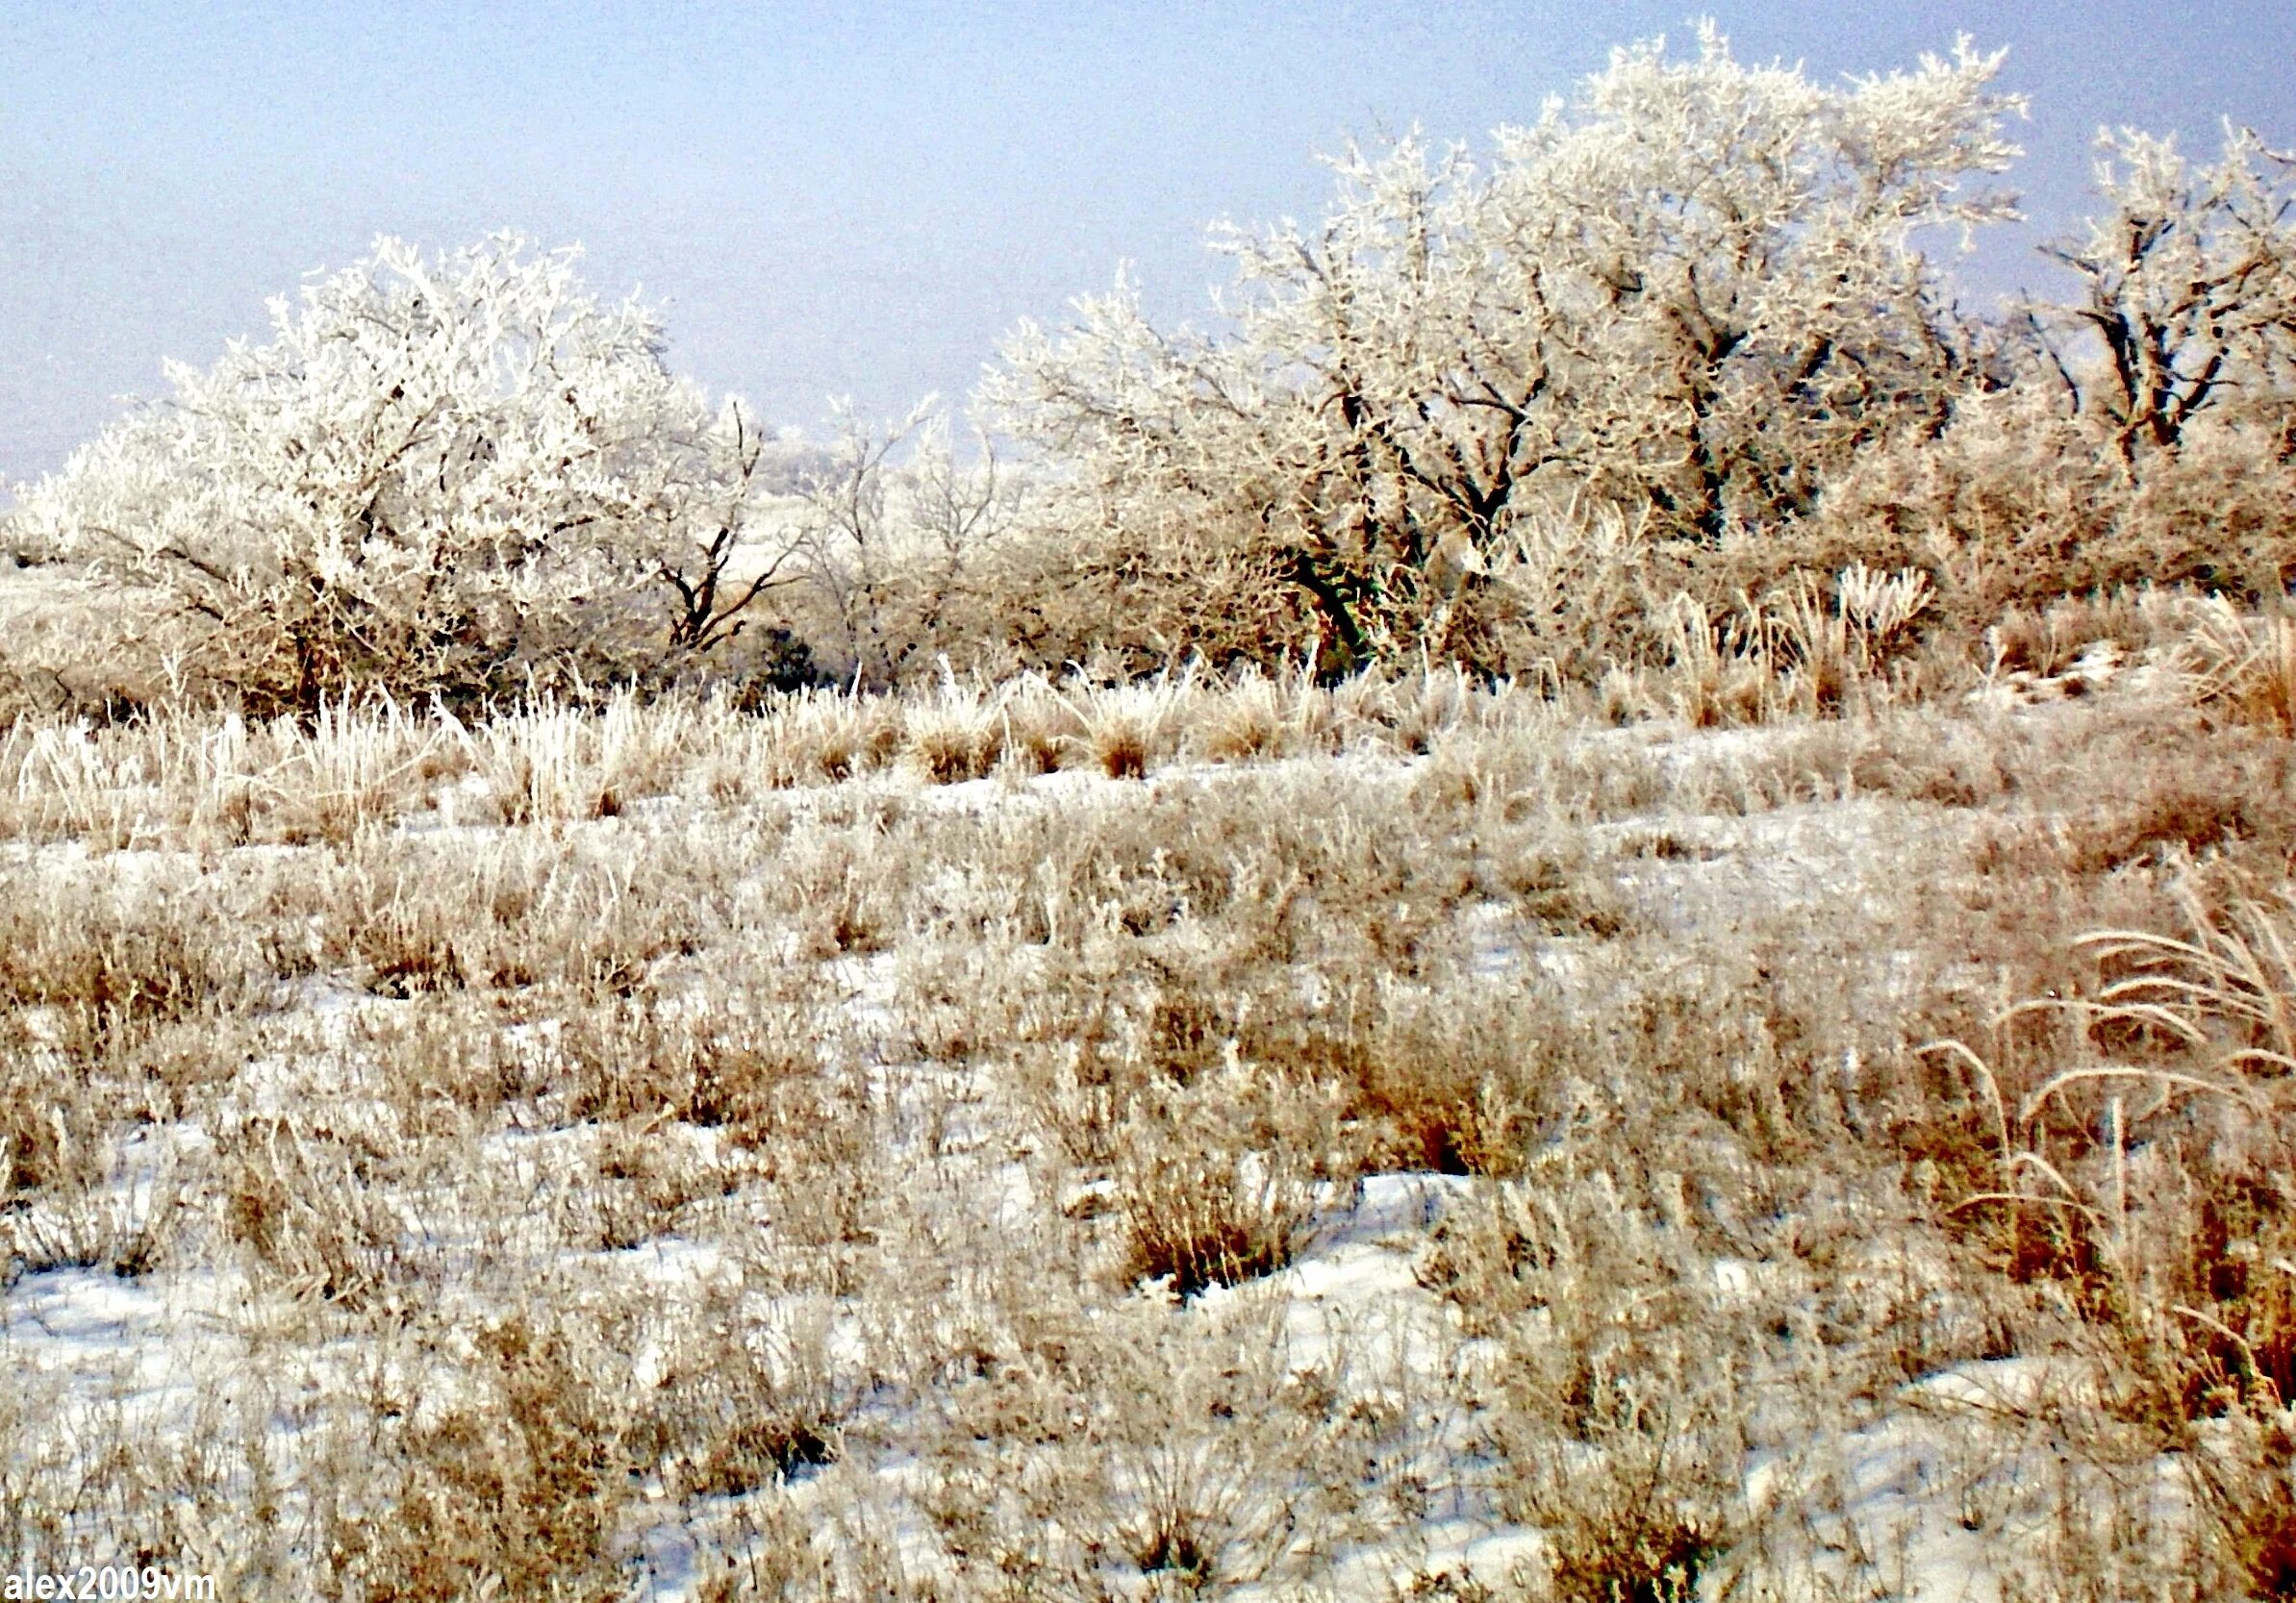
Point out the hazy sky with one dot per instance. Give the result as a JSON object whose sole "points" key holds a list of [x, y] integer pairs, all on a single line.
{"points": [[853, 199]]}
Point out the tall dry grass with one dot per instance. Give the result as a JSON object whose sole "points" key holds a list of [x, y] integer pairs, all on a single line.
{"points": [[1460, 1113]]}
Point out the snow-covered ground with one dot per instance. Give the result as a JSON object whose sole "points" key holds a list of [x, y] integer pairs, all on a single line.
{"points": [[820, 1112]]}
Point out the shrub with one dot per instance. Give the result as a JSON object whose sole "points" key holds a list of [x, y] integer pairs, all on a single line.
{"points": [[2020, 500]]}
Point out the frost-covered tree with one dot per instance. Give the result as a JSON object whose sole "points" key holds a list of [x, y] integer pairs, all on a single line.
{"points": [[2188, 283], [433, 476], [890, 528], [1685, 292], [2148, 437]]}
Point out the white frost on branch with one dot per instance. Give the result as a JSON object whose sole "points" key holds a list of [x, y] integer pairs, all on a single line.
{"points": [[433, 475], [1686, 293]]}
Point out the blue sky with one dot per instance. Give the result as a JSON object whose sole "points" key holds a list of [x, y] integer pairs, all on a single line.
{"points": [[854, 199]]}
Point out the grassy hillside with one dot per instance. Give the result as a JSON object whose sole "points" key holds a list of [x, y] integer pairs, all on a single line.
{"points": [[1404, 1140]]}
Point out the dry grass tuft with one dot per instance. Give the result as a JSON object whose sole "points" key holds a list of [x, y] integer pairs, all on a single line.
{"points": [[2136, 1151], [1197, 1210], [510, 1487], [2242, 671], [959, 733], [1123, 728]]}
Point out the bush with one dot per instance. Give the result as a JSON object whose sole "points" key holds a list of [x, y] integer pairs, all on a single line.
{"points": [[2019, 501]]}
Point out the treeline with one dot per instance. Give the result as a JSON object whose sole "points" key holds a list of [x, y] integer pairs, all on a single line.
{"points": [[1675, 351]]}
